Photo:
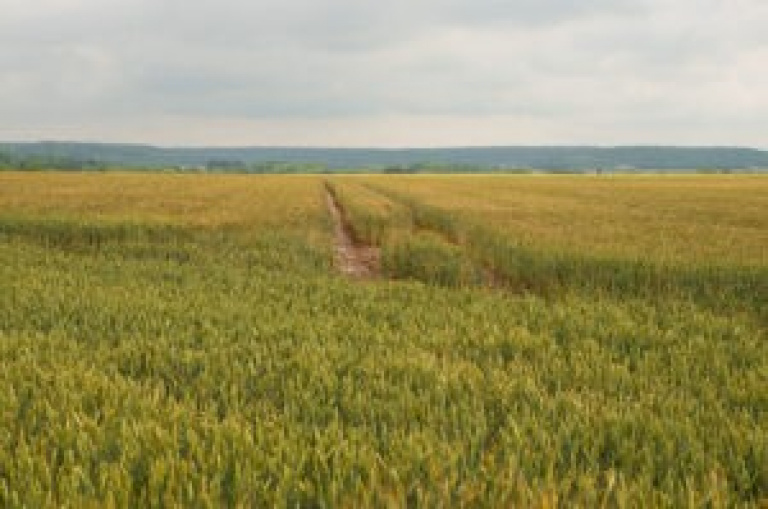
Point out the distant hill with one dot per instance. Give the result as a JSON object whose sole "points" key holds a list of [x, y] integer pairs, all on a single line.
{"points": [[568, 158]]}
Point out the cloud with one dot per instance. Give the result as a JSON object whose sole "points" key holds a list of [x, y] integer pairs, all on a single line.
{"points": [[385, 73]]}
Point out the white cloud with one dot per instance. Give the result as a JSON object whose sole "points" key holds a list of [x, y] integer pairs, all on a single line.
{"points": [[434, 72]]}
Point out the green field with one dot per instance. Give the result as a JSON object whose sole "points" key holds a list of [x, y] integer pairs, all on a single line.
{"points": [[530, 341]]}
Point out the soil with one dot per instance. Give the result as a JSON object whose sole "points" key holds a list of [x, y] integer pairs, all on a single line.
{"points": [[352, 259]]}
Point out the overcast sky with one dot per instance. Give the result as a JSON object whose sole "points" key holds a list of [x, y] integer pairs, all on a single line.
{"points": [[385, 72]]}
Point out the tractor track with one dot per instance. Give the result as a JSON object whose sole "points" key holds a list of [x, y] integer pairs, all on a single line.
{"points": [[352, 259]]}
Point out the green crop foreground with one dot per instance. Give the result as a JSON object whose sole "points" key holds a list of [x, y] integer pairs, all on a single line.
{"points": [[170, 340]]}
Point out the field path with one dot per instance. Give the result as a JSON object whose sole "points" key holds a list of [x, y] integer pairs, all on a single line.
{"points": [[352, 260]]}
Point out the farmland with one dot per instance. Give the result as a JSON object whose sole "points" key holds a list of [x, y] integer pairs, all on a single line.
{"points": [[185, 340]]}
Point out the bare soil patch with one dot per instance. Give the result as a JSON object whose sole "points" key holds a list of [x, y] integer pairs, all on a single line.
{"points": [[352, 259]]}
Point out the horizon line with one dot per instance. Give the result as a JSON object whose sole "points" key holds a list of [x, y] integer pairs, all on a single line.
{"points": [[378, 148]]}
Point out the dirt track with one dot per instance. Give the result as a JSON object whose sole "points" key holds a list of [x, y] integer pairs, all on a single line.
{"points": [[352, 260]]}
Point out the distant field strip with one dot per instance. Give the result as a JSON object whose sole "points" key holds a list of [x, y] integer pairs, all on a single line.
{"points": [[660, 218], [186, 341]]}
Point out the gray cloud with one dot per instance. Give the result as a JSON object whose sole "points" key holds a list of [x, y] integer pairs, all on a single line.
{"points": [[385, 73]]}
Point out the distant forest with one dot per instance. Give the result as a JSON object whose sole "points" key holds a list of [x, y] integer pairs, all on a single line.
{"points": [[103, 157]]}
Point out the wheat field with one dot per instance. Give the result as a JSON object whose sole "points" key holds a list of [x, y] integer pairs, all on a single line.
{"points": [[186, 341]]}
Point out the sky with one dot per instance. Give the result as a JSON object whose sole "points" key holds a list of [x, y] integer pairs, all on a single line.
{"points": [[394, 73]]}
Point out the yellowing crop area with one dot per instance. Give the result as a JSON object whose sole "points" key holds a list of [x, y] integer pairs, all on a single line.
{"points": [[178, 340], [698, 239], [193, 200], [683, 219]]}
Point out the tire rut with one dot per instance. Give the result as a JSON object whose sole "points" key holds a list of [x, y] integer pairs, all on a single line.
{"points": [[352, 259]]}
